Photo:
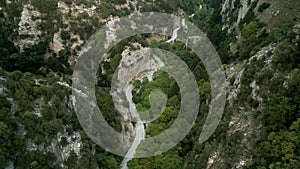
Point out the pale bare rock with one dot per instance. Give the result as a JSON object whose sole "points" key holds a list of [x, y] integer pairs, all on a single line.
{"points": [[133, 65], [79, 42], [79, 9], [240, 164], [236, 86], [28, 27], [228, 7], [243, 10], [74, 143], [8, 2], [255, 90], [57, 43], [64, 8], [214, 158]]}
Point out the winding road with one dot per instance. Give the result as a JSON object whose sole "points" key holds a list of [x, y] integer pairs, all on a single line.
{"points": [[139, 128]]}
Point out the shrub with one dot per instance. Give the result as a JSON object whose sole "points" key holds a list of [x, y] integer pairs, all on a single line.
{"points": [[263, 7]]}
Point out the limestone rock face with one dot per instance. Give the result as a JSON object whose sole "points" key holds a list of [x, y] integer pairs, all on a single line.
{"points": [[133, 65], [57, 43], [242, 11], [28, 27]]}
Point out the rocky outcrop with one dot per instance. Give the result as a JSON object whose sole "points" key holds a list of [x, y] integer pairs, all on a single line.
{"points": [[242, 120], [134, 65], [28, 27], [233, 12], [57, 43]]}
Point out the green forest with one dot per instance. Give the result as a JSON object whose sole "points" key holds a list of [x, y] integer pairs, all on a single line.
{"points": [[261, 122]]}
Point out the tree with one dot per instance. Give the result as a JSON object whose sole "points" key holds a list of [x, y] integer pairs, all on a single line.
{"points": [[4, 107], [249, 31]]}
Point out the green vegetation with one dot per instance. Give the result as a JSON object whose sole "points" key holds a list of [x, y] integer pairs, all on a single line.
{"points": [[36, 112], [263, 7], [169, 87]]}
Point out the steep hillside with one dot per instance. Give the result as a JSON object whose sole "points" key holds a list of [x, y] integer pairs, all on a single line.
{"points": [[257, 41]]}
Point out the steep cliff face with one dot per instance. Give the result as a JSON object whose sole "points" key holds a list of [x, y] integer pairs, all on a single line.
{"points": [[234, 11], [237, 15], [241, 121]]}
